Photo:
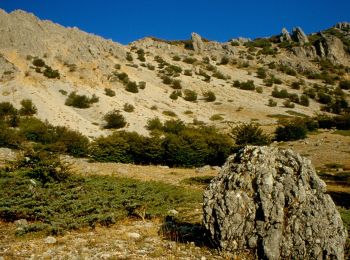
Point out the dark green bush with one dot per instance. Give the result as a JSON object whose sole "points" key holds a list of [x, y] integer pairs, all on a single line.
{"points": [[209, 96], [261, 73], [132, 87], [38, 62], [224, 60], [109, 92], [10, 137], [50, 73], [167, 80], [304, 100], [249, 134], [280, 93], [272, 103], [114, 120], [291, 131], [80, 101], [190, 95], [28, 108], [154, 124], [128, 108], [189, 60], [176, 84], [344, 84], [6, 109], [175, 94], [129, 57], [248, 85], [142, 85]]}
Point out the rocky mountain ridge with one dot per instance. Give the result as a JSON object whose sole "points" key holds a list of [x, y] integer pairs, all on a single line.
{"points": [[89, 64]]}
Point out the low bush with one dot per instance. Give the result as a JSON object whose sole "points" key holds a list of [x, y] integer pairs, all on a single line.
{"points": [[27, 108], [132, 87], [344, 84], [272, 103], [109, 92], [280, 93], [209, 96], [128, 108], [80, 101], [261, 73], [190, 95], [114, 120], [291, 131], [189, 60]]}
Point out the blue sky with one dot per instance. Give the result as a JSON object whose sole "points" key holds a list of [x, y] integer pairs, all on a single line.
{"points": [[128, 20]]}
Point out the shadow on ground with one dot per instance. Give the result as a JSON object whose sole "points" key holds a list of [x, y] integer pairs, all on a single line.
{"points": [[185, 232], [341, 199]]}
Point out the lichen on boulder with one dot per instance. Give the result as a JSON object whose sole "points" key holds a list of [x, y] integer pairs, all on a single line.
{"points": [[270, 202]]}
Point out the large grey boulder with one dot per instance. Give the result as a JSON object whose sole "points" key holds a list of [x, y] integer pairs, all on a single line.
{"points": [[270, 202], [299, 36], [197, 42]]}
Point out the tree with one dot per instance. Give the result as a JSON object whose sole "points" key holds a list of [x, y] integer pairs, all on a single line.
{"points": [[28, 108], [249, 134]]}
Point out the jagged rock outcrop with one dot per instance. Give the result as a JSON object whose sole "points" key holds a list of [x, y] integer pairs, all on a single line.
{"points": [[331, 48], [299, 36], [285, 36], [305, 52], [343, 25], [7, 69], [271, 202], [197, 42]]}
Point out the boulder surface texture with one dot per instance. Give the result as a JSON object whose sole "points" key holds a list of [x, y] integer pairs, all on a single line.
{"points": [[270, 202]]}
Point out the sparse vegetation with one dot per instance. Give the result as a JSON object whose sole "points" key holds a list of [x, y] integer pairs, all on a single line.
{"points": [[109, 92], [209, 96], [190, 95]]}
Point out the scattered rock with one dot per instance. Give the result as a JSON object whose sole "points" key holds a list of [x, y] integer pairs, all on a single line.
{"points": [[271, 202], [197, 42], [50, 240], [203, 169]]}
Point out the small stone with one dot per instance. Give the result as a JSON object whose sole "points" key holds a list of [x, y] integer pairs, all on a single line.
{"points": [[134, 235], [173, 212], [50, 240], [21, 223], [203, 258]]}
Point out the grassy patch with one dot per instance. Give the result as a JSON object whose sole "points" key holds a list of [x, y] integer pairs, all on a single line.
{"points": [[342, 132], [200, 180], [85, 201], [279, 116], [293, 113]]}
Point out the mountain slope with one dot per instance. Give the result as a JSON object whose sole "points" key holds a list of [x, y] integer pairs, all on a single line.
{"points": [[88, 64]]}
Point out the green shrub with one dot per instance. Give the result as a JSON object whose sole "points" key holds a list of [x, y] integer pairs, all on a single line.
{"points": [[304, 100], [249, 134], [28, 108], [128, 108], [154, 124], [132, 87], [176, 84], [142, 85], [344, 84], [209, 96], [7, 109], [259, 90], [51, 74], [38, 62], [190, 95], [189, 60], [114, 120], [287, 103], [261, 73], [175, 94], [272, 103], [167, 80], [80, 101], [188, 73], [224, 60], [109, 92], [248, 85], [129, 57], [169, 113], [141, 55], [176, 58], [291, 131], [280, 93], [219, 75], [42, 166], [10, 137], [150, 66], [234, 43]]}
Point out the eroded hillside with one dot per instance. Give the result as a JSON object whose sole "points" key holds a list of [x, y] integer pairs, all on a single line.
{"points": [[193, 80]]}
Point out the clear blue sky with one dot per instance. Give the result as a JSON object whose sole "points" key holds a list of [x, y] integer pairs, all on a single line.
{"points": [[128, 20]]}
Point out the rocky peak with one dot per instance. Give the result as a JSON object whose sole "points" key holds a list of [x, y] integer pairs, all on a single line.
{"points": [[343, 26], [271, 202], [298, 35]]}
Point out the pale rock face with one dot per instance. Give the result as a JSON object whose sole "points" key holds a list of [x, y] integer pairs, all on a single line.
{"points": [[271, 202], [285, 36], [299, 36], [197, 42]]}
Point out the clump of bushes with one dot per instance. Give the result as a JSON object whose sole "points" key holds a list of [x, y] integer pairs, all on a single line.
{"points": [[114, 120], [175, 94], [80, 101], [48, 71], [248, 85], [141, 55], [132, 87], [189, 60]]}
